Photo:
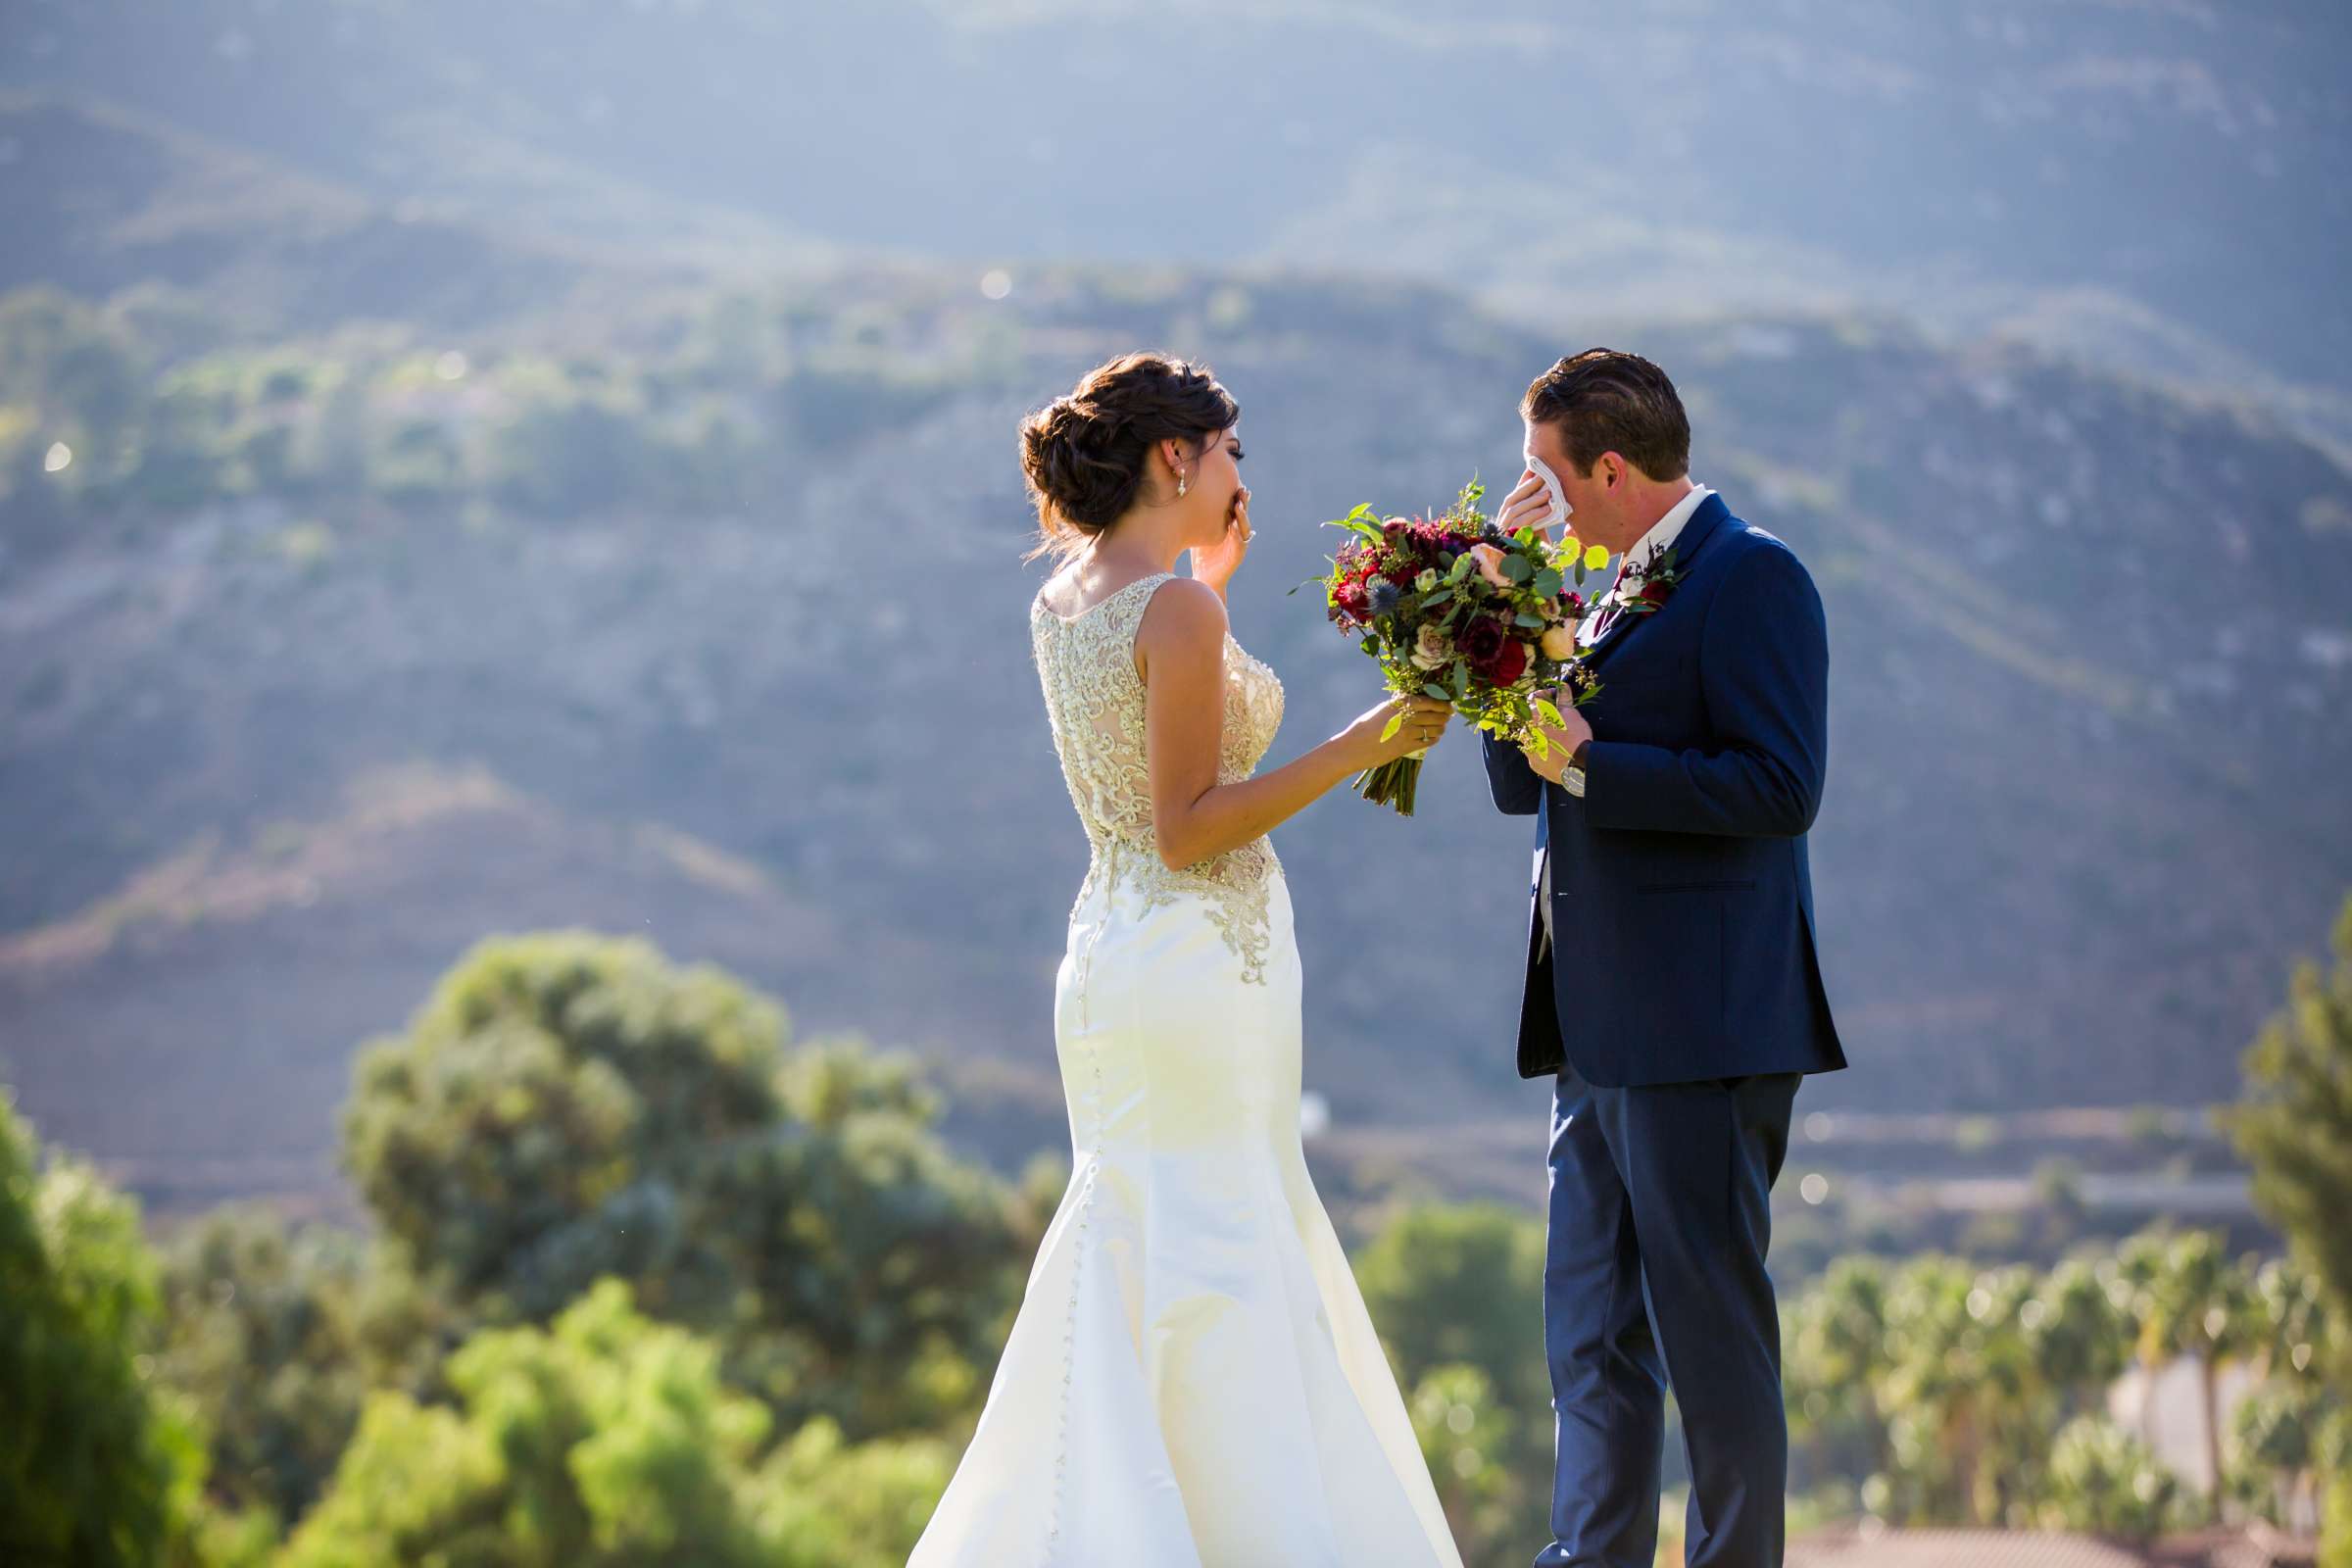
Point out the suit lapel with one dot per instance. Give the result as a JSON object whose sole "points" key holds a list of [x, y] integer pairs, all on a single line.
{"points": [[1703, 525]]}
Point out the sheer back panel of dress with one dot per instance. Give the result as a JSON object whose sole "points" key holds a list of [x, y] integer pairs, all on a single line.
{"points": [[1094, 704]]}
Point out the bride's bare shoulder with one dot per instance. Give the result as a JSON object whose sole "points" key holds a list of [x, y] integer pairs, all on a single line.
{"points": [[1183, 609]]}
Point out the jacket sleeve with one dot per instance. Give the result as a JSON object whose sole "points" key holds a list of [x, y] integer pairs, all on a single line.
{"points": [[1518, 789], [1764, 668]]}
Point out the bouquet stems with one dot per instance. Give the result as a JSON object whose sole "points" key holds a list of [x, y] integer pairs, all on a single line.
{"points": [[1392, 783]]}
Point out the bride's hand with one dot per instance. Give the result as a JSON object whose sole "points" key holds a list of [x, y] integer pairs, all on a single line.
{"points": [[1425, 722], [1216, 565]]}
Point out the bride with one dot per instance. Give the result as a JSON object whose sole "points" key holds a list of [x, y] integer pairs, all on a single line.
{"points": [[1191, 1381]]}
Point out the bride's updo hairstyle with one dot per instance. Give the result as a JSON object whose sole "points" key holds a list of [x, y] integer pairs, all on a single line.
{"points": [[1084, 454]]}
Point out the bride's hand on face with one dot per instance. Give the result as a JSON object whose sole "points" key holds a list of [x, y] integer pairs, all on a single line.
{"points": [[1216, 563]]}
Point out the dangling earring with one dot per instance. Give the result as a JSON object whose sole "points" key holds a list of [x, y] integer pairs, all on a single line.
{"points": [[1181, 481]]}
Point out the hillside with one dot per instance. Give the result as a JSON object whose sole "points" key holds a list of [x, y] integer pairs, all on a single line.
{"points": [[107, 199], [2167, 171], [721, 626]]}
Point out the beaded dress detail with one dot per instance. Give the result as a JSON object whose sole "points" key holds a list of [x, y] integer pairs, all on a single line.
{"points": [[1192, 1380], [1094, 701]]}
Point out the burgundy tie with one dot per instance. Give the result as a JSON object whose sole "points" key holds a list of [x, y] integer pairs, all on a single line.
{"points": [[1608, 616]]}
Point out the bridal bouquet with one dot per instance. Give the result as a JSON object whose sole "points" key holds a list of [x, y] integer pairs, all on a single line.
{"points": [[1453, 607]]}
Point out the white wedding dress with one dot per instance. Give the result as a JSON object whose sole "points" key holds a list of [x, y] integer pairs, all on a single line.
{"points": [[1191, 1381]]}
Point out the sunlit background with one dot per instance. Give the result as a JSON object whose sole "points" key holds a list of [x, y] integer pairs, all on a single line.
{"points": [[520, 765]]}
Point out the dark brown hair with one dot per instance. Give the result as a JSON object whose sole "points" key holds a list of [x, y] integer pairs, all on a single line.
{"points": [[1605, 400], [1083, 452]]}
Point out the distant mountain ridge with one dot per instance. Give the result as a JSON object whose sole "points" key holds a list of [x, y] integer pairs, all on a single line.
{"points": [[2181, 160]]}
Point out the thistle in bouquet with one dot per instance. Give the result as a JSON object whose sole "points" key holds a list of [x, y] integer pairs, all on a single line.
{"points": [[1450, 607]]}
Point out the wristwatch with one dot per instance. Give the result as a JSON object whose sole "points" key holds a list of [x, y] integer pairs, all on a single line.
{"points": [[1571, 778]]}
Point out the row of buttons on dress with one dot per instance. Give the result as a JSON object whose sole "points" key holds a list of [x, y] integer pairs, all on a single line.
{"points": [[1085, 1203]]}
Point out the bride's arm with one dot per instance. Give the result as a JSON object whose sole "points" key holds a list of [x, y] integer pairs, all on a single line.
{"points": [[1180, 647]]}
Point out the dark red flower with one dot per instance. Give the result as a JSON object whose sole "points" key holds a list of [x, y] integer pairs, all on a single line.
{"points": [[1481, 641], [1656, 592], [1433, 542], [1507, 665], [1574, 603]]}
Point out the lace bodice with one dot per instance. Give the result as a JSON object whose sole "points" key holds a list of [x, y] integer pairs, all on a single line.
{"points": [[1094, 701]]}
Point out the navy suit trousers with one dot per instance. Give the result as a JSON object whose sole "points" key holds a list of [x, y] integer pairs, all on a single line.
{"points": [[1654, 1275]]}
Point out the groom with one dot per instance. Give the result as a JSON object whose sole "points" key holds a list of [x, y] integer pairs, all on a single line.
{"points": [[1671, 988]]}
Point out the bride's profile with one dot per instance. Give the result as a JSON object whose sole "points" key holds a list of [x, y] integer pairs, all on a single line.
{"points": [[1192, 1380]]}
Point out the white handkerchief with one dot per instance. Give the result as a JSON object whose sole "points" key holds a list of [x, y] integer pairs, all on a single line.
{"points": [[1551, 487]]}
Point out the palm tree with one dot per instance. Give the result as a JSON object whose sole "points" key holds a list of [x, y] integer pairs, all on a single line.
{"points": [[1834, 1350], [2279, 1429], [1924, 1390], [1960, 1383], [2081, 1332], [2196, 1301], [2131, 1277], [2292, 1321]]}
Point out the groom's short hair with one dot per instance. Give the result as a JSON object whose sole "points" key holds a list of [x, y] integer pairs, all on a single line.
{"points": [[1606, 400]]}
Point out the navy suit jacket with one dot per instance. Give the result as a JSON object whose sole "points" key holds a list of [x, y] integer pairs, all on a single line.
{"points": [[1681, 899]]}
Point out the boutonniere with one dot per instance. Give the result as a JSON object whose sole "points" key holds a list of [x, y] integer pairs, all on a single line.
{"points": [[1649, 588]]}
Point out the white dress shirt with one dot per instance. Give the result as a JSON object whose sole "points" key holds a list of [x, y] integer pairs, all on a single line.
{"points": [[1660, 537]]}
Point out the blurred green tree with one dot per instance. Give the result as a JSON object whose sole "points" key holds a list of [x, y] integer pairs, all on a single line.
{"points": [[2192, 1300], [2294, 1124], [1935, 1384], [1457, 1292], [853, 1506], [93, 1468], [260, 1330], [1473, 1443], [1953, 1377], [1460, 1284], [1833, 1341], [608, 1441], [568, 1107], [2106, 1480], [2294, 1127], [2082, 1332], [2284, 1438]]}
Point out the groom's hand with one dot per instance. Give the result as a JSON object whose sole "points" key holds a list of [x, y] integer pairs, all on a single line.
{"points": [[1563, 741], [1526, 505]]}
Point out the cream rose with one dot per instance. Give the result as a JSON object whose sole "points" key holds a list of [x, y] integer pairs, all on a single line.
{"points": [[1559, 642], [1432, 649]]}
